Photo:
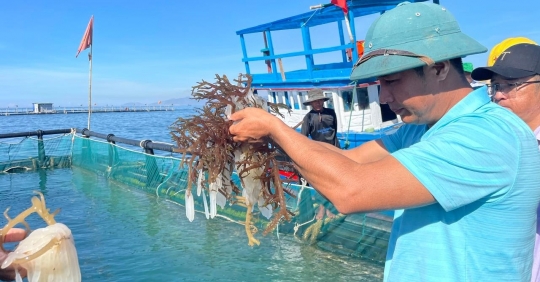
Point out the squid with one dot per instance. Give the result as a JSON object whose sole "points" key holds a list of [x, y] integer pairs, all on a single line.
{"points": [[47, 254], [251, 177]]}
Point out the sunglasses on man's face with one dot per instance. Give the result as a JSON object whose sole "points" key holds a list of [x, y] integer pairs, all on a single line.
{"points": [[507, 87]]}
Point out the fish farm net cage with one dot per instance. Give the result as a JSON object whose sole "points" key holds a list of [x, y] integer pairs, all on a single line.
{"points": [[154, 168]]}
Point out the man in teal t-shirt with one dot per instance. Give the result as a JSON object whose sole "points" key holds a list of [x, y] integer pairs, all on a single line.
{"points": [[462, 171], [480, 226]]}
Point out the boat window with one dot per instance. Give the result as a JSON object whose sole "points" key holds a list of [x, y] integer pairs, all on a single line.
{"points": [[274, 98], [362, 99], [330, 103], [361, 102], [287, 100], [347, 100]]}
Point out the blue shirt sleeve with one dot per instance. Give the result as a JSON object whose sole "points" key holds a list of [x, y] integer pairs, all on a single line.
{"points": [[404, 137]]}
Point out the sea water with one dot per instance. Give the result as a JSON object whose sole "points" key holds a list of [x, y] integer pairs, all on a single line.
{"points": [[124, 234]]}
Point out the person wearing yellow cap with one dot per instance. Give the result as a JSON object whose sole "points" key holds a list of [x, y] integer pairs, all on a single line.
{"points": [[515, 85], [462, 172], [503, 45]]}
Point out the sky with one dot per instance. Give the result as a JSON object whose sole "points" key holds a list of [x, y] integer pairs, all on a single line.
{"points": [[150, 51]]}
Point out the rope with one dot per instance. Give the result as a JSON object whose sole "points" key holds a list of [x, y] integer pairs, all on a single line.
{"points": [[48, 138], [303, 24], [165, 181], [312, 232], [304, 185], [73, 132], [296, 225], [21, 141], [277, 231], [296, 126]]}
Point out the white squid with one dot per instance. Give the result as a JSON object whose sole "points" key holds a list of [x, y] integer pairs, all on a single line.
{"points": [[48, 254], [251, 193]]}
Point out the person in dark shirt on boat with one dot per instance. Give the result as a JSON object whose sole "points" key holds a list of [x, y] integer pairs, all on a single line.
{"points": [[461, 173], [321, 125]]}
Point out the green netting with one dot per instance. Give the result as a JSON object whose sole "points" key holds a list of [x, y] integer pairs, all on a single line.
{"points": [[359, 235], [30, 153]]}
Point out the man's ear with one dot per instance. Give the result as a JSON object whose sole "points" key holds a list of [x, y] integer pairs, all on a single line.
{"points": [[440, 70]]}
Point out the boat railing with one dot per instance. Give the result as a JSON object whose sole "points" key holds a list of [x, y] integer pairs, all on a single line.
{"points": [[321, 75], [312, 72]]}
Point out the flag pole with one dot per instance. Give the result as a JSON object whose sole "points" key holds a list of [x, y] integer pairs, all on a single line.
{"points": [[90, 87], [85, 43]]}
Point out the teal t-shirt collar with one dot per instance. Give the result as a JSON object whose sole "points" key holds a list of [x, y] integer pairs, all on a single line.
{"points": [[473, 101]]}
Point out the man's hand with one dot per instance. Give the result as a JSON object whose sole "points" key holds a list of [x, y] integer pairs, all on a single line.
{"points": [[13, 235], [251, 125]]}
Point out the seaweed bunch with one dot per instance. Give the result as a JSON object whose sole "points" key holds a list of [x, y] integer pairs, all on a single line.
{"points": [[212, 156]]}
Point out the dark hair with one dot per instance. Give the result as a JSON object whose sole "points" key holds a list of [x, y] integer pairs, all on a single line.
{"points": [[457, 63]]}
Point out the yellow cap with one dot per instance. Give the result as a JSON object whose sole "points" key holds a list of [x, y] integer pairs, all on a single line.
{"points": [[503, 45]]}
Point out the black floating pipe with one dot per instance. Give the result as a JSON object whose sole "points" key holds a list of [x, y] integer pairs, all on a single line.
{"points": [[161, 147], [35, 133], [147, 145], [109, 138], [144, 144], [89, 133], [126, 141]]}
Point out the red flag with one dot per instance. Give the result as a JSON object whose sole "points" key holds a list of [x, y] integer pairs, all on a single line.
{"points": [[87, 38], [342, 4]]}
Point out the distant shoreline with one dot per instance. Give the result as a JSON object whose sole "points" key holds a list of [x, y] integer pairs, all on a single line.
{"points": [[79, 111]]}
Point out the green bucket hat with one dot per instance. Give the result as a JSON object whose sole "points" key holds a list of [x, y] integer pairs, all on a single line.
{"points": [[412, 35]]}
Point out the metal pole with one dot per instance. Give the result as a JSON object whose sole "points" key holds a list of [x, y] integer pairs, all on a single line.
{"points": [[90, 87]]}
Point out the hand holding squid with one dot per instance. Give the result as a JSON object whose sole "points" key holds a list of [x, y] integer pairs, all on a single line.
{"points": [[251, 124], [13, 235], [47, 254]]}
